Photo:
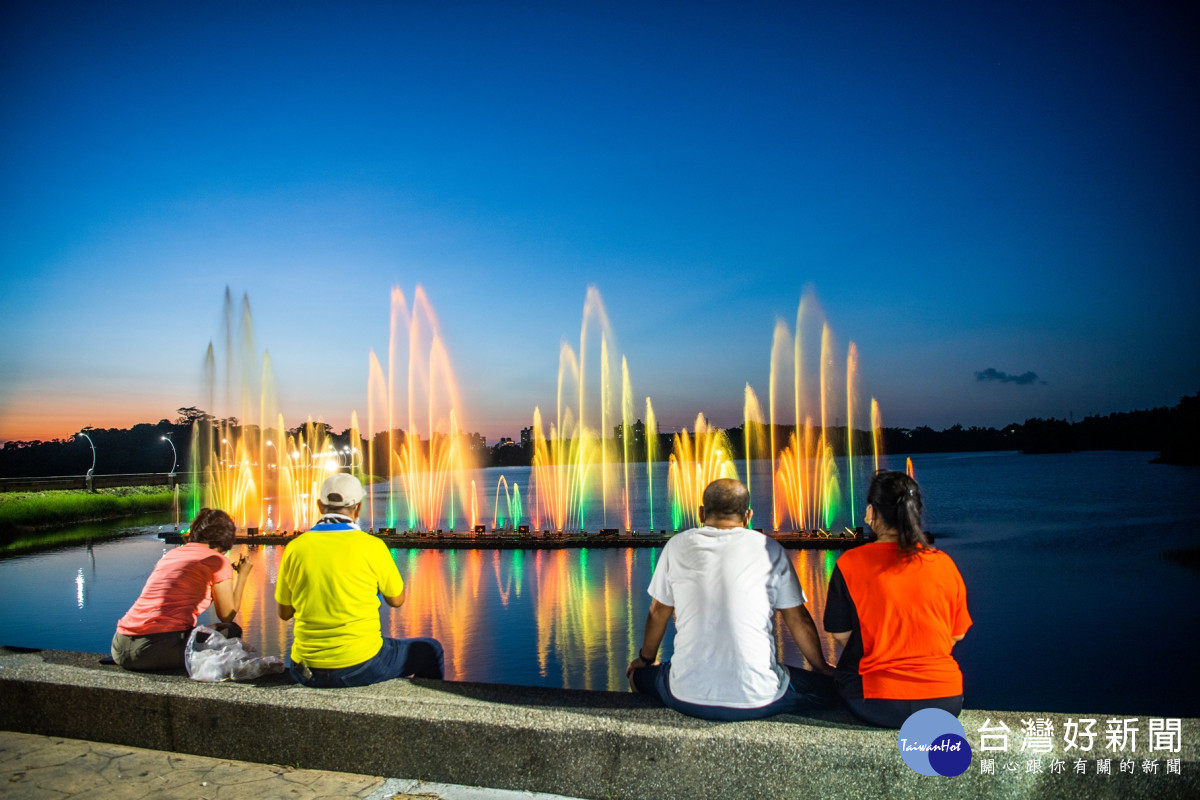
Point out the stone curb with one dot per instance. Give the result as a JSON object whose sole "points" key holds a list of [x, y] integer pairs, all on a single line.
{"points": [[582, 744]]}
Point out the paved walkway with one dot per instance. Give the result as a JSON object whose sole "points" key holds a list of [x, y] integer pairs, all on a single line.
{"points": [[54, 768]]}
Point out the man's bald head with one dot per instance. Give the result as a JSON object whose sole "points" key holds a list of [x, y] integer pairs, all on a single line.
{"points": [[727, 500]]}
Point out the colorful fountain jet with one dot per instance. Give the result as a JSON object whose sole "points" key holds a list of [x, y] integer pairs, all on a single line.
{"points": [[426, 462], [698, 460]]}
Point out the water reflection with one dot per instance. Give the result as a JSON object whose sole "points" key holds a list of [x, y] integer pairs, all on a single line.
{"points": [[563, 618], [1033, 538], [570, 618]]}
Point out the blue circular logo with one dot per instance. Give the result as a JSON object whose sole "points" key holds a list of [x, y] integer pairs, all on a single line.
{"points": [[933, 742]]}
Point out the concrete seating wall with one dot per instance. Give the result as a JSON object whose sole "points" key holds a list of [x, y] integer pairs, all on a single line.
{"points": [[582, 744]]}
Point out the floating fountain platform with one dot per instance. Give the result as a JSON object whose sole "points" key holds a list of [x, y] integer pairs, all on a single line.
{"points": [[546, 540]]}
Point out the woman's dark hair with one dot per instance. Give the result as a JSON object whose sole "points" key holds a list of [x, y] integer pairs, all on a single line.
{"points": [[896, 499], [213, 527]]}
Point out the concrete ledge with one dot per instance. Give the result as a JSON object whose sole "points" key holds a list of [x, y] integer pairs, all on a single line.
{"points": [[585, 744]]}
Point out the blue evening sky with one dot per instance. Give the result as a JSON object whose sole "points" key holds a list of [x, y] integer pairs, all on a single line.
{"points": [[1004, 186]]}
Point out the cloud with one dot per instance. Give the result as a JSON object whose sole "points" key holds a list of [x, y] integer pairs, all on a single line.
{"points": [[993, 374]]}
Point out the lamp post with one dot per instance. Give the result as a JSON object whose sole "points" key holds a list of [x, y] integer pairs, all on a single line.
{"points": [[174, 456], [88, 477]]}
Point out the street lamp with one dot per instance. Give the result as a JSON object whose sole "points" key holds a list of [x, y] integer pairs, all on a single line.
{"points": [[93, 444], [174, 454], [88, 477]]}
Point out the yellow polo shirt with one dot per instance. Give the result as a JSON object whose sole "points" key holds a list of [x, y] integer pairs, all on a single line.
{"points": [[332, 575]]}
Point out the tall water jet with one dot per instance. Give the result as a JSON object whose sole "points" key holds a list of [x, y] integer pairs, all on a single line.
{"points": [[576, 446], [236, 461], [876, 431], [779, 341], [754, 436], [429, 457], [626, 440], [830, 484], [698, 460], [807, 484], [851, 375], [379, 411], [651, 455], [558, 461]]}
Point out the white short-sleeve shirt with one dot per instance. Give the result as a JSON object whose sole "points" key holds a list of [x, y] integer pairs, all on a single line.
{"points": [[725, 585]]}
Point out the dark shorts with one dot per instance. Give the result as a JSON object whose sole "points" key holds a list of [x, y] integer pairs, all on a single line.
{"points": [[884, 712]]}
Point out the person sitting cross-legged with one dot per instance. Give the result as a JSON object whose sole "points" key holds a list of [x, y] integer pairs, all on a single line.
{"points": [[330, 581], [724, 582]]}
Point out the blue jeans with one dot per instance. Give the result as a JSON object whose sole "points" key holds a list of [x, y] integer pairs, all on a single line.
{"points": [[398, 658], [806, 689]]}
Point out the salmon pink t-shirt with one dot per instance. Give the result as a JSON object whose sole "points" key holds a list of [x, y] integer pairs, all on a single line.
{"points": [[177, 591]]}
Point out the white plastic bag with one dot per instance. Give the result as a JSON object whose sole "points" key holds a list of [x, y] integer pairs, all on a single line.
{"points": [[219, 658]]}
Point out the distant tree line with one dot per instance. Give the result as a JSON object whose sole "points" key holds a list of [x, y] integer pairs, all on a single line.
{"points": [[1172, 432], [119, 451]]}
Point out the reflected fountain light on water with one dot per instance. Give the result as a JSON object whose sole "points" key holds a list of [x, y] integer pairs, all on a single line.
{"points": [[565, 618]]}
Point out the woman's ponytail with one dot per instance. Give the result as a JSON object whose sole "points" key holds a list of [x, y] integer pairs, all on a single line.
{"points": [[896, 498]]}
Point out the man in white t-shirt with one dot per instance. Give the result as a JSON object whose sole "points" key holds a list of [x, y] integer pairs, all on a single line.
{"points": [[724, 582]]}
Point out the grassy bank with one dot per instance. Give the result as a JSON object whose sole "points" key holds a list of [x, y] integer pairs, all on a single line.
{"points": [[31, 511], [23, 541]]}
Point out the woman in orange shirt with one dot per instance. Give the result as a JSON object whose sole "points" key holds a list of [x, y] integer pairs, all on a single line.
{"points": [[897, 606], [153, 633]]}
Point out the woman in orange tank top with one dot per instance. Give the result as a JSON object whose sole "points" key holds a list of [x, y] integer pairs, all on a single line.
{"points": [[897, 606]]}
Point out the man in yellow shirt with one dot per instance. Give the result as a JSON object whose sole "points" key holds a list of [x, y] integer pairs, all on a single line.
{"points": [[330, 581]]}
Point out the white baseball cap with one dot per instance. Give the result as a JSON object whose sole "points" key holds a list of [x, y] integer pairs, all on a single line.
{"points": [[341, 490]]}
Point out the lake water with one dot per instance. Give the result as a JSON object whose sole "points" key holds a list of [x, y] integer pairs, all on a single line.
{"points": [[1076, 606]]}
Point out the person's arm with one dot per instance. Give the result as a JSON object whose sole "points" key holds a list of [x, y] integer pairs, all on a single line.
{"points": [[395, 602], [285, 612], [804, 631], [958, 638], [656, 628], [227, 594]]}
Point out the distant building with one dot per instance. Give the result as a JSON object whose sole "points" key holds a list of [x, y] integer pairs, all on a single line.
{"points": [[637, 439], [527, 437]]}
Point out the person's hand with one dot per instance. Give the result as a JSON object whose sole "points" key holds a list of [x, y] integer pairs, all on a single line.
{"points": [[637, 663], [242, 564], [825, 669]]}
